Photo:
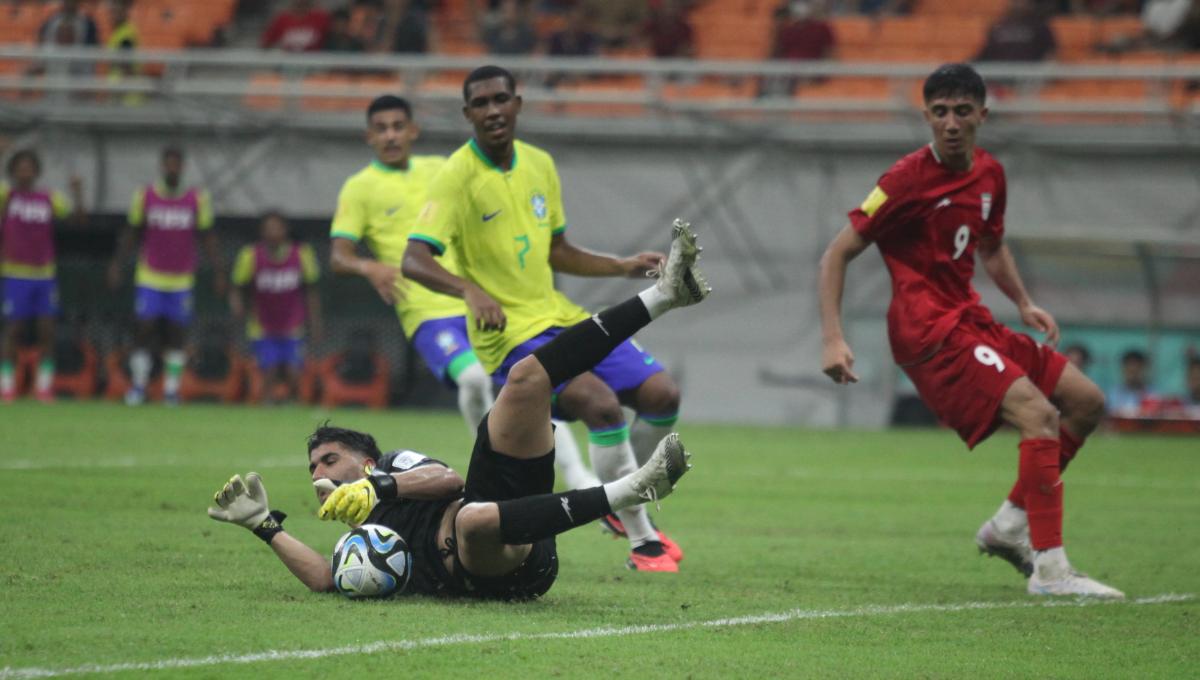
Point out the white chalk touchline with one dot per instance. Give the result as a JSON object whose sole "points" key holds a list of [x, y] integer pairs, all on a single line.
{"points": [[405, 645]]}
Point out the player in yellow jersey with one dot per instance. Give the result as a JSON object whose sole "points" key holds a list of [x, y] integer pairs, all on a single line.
{"points": [[379, 205], [495, 212]]}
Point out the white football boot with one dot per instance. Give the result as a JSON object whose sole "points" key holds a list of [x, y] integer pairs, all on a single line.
{"points": [[679, 278], [1013, 548], [1053, 575], [656, 479]]}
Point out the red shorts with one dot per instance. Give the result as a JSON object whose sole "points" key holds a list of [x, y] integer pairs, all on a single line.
{"points": [[965, 382]]}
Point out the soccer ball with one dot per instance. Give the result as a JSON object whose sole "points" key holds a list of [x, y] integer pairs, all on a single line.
{"points": [[371, 561]]}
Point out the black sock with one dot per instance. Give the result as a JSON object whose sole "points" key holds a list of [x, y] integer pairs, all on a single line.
{"points": [[579, 348], [529, 519]]}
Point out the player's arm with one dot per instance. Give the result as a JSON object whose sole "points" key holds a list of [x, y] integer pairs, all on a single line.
{"points": [[568, 258], [999, 264], [384, 278], [352, 503], [420, 265], [837, 361], [208, 239], [245, 504], [127, 239]]}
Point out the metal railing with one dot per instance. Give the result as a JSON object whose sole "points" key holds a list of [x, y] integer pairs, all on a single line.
{"points": [[244, 85]]}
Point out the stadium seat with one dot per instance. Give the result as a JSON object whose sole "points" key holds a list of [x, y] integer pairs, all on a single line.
{"points": [[118, 383], [354, 377], [263, 92], [76, 368], [1076, 36], [254, 383], [212, 373]]}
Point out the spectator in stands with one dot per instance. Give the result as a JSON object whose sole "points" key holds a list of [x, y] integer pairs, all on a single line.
{"points": [[69, 26], [513, 33], [123, 38], [1079, 356], [885, 7], [668, 32], [1166, 24], [802, 33], [618, 22], [340, 38], [405, 26], [1192, 397], [302, 27], [576, 39], [1126, 398], [1022, 34]]}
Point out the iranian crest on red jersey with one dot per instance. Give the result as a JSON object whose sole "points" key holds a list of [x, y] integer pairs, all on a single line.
{"points": [[985, 203]]}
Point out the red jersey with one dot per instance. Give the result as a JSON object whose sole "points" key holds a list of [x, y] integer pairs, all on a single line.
{"points": [[297, 32], [927, 221]]}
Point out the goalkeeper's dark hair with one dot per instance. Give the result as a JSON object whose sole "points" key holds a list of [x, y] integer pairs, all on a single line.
{"points": [[955, 80], [359, 442], [487, 73], [389, 102]]}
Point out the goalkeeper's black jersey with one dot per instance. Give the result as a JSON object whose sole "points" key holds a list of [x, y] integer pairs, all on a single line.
{"points": [[418, 523]]}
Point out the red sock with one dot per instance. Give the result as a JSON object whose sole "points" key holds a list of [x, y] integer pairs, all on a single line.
{"points": [[1070, 446], [1017, 495], [1043, 491]]}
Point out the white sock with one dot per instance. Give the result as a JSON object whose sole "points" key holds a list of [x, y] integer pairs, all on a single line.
{"points": [[656, 301], [570, 460], [474, 394], [173, 360], [45, 376], [645, 436], [612, 461], [140, 364], [1010, 520], [1051, 565], [8, 379]]}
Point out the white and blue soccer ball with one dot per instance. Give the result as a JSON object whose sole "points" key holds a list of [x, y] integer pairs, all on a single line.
{"points": [[371, 561]]}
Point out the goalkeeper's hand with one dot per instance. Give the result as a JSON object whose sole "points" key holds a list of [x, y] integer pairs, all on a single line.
{"points": [[352, 503], [242, 503]]}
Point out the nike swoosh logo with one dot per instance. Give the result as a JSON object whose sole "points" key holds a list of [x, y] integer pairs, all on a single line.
{"points": [[942, 204], [648, 360], [488, 216]]}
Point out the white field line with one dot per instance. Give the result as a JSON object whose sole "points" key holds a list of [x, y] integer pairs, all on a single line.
{"points": [[296, 460], [585, 633]]}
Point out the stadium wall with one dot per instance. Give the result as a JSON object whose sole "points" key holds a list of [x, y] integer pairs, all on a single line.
{"points": [[766, 210]]}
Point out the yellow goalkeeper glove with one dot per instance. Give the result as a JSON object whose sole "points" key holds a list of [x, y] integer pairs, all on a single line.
{"points": [[352, 503]]}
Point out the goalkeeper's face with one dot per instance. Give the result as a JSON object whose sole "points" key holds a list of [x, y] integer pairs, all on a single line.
{"points": [[336, 462]]}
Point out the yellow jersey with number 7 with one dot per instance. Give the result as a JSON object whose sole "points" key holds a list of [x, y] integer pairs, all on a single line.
{"points": [[498, 225]]}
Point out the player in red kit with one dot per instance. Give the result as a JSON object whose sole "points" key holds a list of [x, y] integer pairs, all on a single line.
{"points": [[931, 214]]}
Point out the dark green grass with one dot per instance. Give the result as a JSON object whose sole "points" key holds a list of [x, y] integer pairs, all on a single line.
{"points": [[108, 557]]}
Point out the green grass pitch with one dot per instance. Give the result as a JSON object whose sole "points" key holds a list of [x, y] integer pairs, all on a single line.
{"points": [[860, 542]]}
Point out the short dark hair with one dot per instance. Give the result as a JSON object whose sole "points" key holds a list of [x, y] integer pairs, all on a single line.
{"points": [[340, 14], [171, 150], [389, 102], [359, 442], [955, 80], [487, 73], [1085, 355], [1134, 355], [273, 212], [21, 155]]}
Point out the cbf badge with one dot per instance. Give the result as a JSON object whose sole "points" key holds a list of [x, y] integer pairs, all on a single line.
{"points": [[538, 203], [985, 202]]}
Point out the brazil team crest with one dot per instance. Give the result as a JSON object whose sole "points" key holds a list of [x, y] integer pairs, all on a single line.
{"points": [[538, 203]]}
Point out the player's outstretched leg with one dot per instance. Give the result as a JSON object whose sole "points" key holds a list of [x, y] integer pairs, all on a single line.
{"points": [[495, 528], [474, 394]]}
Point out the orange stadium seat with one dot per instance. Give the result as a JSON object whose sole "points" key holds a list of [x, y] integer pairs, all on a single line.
{"points": [[81, 383], [225, 388], [370, 86], [987, 9], [626, 84], [1076, 36], [854, 31], [846, 88], [256, 92], [337, 391], [1119, 27], [254, 383], [910, 31]]}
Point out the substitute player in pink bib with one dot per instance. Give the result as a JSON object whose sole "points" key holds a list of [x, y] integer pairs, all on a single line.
{"points": [[27, 217], [170, 217], [279, 277], [931, 214]]}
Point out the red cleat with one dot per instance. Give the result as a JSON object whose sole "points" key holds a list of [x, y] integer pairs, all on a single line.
{"points": [[662, 563], [612, 524]]}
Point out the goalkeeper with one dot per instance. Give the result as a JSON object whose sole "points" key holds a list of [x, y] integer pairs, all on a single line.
{"points": [[491, 536]]}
